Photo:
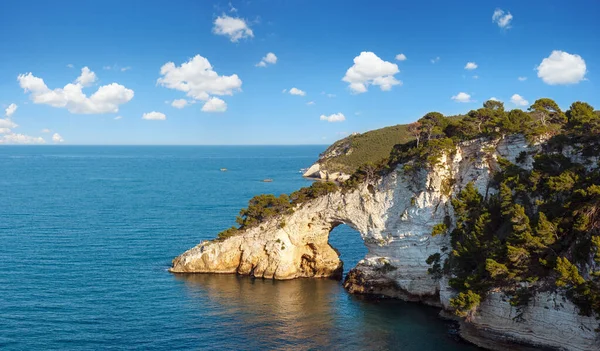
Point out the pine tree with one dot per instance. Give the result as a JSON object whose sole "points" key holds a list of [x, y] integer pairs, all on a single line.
{"points": [[545, 230]]}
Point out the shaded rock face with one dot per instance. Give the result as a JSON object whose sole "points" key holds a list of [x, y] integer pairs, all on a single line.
{"points": [[395, 217]]}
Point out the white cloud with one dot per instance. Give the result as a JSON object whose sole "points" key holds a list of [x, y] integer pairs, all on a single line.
{"points": [[214, 104], [70, 65], [106, 99], [7, 124], [269, 59], [179, 103], [435, 60], [522, 79], [118, 118], [10, 110], [86, 78], [369, 69], [336, 117], [233, 27], [46, 130], [310, 103], [284, 91], [123, 69], [296, 91], [562, 68], [400, 57], [198, 79], [495, 99], [470, 65], [21, 139], [462, 97], [475, 77], [328, 95], [107, 67], [231, 8], [518, 100], [154, 116], [57, 138], [502, 19], [8, 137]]}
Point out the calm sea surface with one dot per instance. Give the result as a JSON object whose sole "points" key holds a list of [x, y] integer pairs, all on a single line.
{"points": [[87, 235]]}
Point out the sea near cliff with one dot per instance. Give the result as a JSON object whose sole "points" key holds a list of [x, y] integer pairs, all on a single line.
{"points": [[87, 234]]}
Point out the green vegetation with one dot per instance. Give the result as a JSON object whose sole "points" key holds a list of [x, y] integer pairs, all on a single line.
{"points": [[370, 147], [262, 208], [374, 147]]}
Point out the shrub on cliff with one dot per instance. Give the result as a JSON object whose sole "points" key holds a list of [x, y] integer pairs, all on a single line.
{"points": [[263, 207]]}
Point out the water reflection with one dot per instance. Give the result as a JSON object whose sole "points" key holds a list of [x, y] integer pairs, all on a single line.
{"points": [[308, 314]]}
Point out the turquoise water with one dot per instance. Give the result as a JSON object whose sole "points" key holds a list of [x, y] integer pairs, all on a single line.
{"points": [[87, 235]]}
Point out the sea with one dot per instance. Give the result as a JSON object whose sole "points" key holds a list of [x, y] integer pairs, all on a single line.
{"points": [[87, 234]]}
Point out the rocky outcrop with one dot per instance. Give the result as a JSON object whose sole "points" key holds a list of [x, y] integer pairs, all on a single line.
{"points": [[395, 216], [316, 171], [319, 169]]}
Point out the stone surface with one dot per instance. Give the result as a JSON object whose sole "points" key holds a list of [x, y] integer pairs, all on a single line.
{"points": [[395, 216]]}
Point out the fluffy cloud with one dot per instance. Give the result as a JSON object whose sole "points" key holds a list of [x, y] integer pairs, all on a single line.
{"points": [[562, 68], [518, 100], [8, 137], [233, 27], [86, 78], [336, 117], [400, 57], [470, 65], [56, 138], [435, 60], [269, 59], [21, 139], [106, 99], [179, 103], [10, 110], [369, 69], [7, 124], [154, 116], [310, 103], [198, 79], [214, 104], [462, 97], [70, 65], [502, 19], [118, 118], [522, 79], [296, 91], [494, 99], [46, 130]]}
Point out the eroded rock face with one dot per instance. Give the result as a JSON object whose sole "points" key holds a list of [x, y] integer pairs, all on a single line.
{"points": [[395, 217]]}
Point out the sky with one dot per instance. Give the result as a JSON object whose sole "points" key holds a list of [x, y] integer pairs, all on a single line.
{"points": [[279, 72]]}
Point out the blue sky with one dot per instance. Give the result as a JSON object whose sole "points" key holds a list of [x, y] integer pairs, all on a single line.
{"points": [[553, 45]]}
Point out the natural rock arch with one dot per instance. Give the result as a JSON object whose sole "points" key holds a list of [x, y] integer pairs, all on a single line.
{"points": [[395, 216]]}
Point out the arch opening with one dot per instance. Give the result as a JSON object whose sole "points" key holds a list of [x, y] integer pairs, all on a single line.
{"points": [[348, 244]]}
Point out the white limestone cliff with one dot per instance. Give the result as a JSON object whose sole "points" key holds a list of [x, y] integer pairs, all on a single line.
{"points": [[395, 216]]}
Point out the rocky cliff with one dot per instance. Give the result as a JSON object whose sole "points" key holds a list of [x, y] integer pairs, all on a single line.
{"points": [[395, 216]]}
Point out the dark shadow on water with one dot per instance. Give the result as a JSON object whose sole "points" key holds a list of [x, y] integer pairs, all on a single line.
{"points": [[308, 314]]}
